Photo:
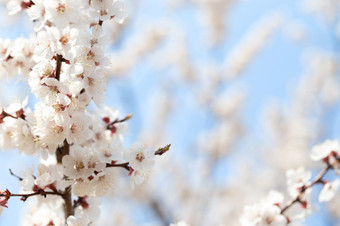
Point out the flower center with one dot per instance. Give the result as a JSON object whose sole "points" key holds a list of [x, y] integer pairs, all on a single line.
{"points": [[61, 8], [140, 157]]}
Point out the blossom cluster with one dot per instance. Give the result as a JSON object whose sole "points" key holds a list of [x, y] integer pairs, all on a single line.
{"points": [[66, 67], [274, 211]]}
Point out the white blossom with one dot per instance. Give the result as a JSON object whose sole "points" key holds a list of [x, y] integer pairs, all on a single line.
{"points": [[296, 179], [27, 181], [139, 157], [105, 182], [73, 221], [324, 149], [328, 190], [76, 164], [180, 223], [266, 212], [79, 128], [88, 208]]}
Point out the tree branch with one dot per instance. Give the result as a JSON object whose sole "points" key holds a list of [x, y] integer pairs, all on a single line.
{"points": [[14, 175], [58, 68], [317, 179], [24, 197], [67, 195], [110, 125], [126, 166], [157, 209]]}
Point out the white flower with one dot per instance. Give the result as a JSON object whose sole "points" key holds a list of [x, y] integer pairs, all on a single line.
{"points": [[45, 213], [104, 182], [323, 150], [37, 13], [266, 212], [16, 106], [79, 221], [16, 130], [296, 179], [328, 191], [92, 57], [94, 164], [109, 152], [27, 181], [42, 49], [79, 129], [88, 208], [76, 164], [109, 9], [180, 223], [137, 178], [119, 12], [15, 6], [82, 187], [262, 215], [49, 89], [139, 157], [93, 84], [8, 124], [62, 12], [63, 41], [24, 138], [6, 128], [50, 132], [51, 174], [22, 53]]}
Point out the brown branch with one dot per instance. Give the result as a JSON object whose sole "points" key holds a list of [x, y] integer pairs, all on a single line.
{"points": [[81, 202], [291, 203], [110, 125], [19, 114], [24, 197], [123, 165], [316, 180], [67, 195], [14, 175], [5, 114], [159, 212], [58, 67], [126, 166], [61, 152]]}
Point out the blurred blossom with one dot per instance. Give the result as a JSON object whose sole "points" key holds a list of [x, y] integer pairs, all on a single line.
{"points": [[209, 77], [257, 36]]}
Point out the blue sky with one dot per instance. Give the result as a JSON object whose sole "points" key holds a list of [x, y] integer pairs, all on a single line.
{"points": [[269, 76]]}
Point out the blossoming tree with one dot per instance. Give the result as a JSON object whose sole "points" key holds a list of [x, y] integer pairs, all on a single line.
{"points": [[65, 65]]}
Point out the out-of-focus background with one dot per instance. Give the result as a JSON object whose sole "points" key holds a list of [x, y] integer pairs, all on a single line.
{"points": [[242, 90]]}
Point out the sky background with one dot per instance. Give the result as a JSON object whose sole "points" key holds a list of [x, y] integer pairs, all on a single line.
{"points": [[271, 76]]}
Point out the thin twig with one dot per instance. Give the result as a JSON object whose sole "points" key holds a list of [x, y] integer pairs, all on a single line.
{"points": [[162, 150], [126, 166], [123, 165], [24, 197], [14, 175], [110, 125], [316, 180]]}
